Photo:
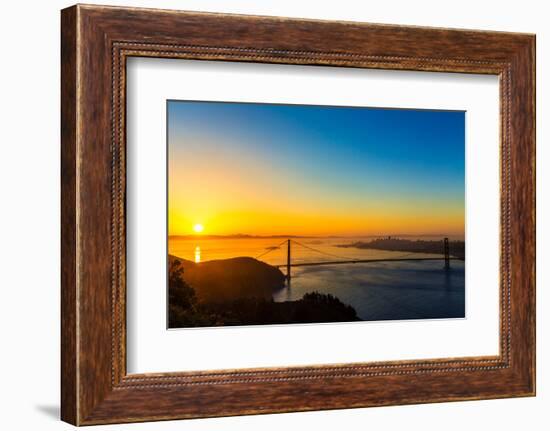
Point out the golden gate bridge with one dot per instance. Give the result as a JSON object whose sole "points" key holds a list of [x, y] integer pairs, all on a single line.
{"points": [[348, 260]]}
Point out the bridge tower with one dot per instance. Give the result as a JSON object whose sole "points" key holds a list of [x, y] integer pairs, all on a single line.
{"points": [[446, 252], [288, 262]]}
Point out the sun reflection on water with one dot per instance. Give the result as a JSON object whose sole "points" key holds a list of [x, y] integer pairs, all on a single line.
{"points": [[197, 254]]}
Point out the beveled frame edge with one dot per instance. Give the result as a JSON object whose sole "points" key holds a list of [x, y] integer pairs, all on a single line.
{"points": [[95, 43]]}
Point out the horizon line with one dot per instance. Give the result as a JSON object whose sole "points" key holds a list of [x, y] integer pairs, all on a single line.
{"points": [[242, 235]]}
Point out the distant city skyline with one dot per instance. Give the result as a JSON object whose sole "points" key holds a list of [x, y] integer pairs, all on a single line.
{"points": [[266, 169]]}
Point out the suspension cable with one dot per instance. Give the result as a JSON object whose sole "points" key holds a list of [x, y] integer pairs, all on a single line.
{"points": [[323, 252], [270, 250]]}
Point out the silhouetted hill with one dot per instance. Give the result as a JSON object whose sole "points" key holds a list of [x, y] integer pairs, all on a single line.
{"points": [[231, 279]]}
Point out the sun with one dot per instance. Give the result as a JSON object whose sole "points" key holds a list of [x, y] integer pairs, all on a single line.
{"points": [[198, 228]]}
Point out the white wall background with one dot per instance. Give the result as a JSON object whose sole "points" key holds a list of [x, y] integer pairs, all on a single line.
{"points": [[29, 214]]}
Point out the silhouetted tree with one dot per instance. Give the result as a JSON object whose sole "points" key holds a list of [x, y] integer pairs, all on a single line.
{"points": [[180, 293], [182, 300]]}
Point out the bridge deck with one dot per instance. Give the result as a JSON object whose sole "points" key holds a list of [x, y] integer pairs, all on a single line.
{"points": [[340, 262]]}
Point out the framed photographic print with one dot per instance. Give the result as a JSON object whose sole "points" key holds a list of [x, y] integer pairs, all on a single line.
{"points": [[268, 215]]}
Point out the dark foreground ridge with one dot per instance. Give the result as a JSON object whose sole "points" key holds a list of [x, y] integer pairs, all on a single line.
{"points": [[456, 248], [239, 291]]}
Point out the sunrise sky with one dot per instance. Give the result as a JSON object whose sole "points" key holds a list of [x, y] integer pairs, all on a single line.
{"points": [[264, 169]]}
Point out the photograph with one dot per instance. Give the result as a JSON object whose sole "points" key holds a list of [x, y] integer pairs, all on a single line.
{"points": [[301, 214]]}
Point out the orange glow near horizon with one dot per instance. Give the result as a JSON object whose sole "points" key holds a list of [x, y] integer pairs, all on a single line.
{"points": [[270, 223], [229, 204]]}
